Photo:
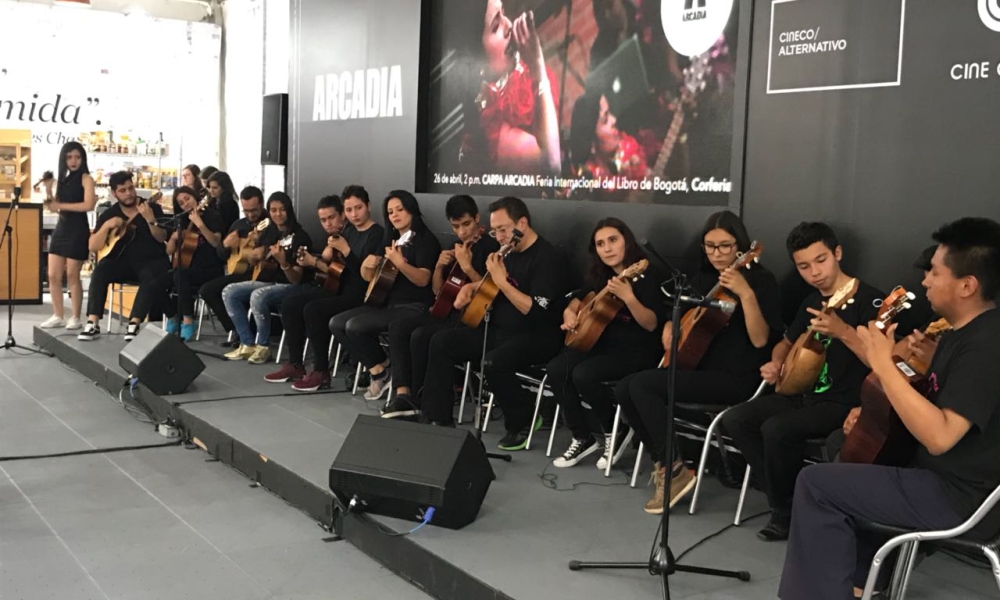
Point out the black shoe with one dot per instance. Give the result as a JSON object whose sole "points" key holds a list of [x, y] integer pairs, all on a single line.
{"points": [[131, 331], [91, 331], [425, 421], [775, 531], [400, 406], [233, 344]]}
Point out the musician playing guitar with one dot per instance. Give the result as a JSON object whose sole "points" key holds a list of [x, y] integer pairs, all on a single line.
{"points": [[957, 426], [772, 430], [410, 338], [523, 326], [278, 277], [409, 295], [252, 202], [629, 343], [138, 257], [306, 313], [203, 226], [728, 372]]}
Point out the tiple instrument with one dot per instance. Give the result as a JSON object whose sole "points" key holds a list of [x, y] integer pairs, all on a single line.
{"points": [[385, 275], [598, 309], [805, 360], [187, 241], [124, 233], [879, 435], [486, 290], [239, 259], [330, 278], [453, 283], [700, 325], [270, 264]]}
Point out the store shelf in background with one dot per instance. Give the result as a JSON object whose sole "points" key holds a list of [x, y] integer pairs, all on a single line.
{"points": [[127, 156]]}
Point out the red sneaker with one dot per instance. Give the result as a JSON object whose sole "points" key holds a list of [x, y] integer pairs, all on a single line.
{"points": [[313, 382], [288, 372]]}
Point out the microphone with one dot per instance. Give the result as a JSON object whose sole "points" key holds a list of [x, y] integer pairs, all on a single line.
{"points": [[674, 271], [726, 306]]}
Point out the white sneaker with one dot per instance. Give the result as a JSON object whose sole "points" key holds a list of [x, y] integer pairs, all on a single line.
{"points": [[52, 322], [73, 323], [621, 445]]}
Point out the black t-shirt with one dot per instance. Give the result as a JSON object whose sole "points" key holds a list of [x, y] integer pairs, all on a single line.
{"points": [[362, 243], [272, 235], [422, 252], [963, 379], [732, 351], [480, 250], [841, 376], [205, 256], [142, 246], [540, 271], [229, 211], [623, 332]]}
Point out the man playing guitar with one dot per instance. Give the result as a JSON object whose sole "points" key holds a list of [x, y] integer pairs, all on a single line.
{"points": [[523, 328], [957, 426], [139, 256], [252, 201], [772, 430], [307, 312], [410, 337]]}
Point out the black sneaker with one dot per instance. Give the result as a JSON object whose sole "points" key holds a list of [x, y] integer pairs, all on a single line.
{"points": [[131, 331], [776, 529], [513, 441], [577, 451], [230, 344], [91, 331], [400, 406]]}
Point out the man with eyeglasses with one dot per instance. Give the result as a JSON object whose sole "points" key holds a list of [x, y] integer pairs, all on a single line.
{"points": [[523, 326], [252, 201]]}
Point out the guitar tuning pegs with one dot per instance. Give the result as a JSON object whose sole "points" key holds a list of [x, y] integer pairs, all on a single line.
{"points": [[907, 305], [911, 296]]}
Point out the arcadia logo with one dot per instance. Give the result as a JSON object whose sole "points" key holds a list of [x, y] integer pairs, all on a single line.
{"points": [[989, 12], [693, 26]]}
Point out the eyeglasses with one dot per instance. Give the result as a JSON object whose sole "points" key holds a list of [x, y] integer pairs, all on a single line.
{"points": [[722, 248], [502, 230]]}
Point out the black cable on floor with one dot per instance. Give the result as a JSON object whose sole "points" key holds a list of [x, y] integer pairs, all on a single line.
{"points": [[550, 480], [93, 451], [717, 533], [252, 396]]}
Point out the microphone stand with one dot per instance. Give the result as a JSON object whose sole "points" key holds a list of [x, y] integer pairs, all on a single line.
{"points": [[10, 342], [662, 563], [479, 394]]}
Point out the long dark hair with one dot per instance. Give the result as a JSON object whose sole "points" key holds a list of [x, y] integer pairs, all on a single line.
{"points": [[66, 149], [286, 201], [224, 181], [730, 223], [195, 171], [599, 273], [411, 206]]}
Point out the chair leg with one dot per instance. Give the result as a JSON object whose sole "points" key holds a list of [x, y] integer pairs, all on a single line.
{"points": [[538, 406], [911, 559], [201, 317], [638, 465], [281, 345], [489, 411], [357, 375], [465, 392], [743, 495], [305, 350], [552, 434], [336, 360], [705, 449], [611, 442], [991, 555]]}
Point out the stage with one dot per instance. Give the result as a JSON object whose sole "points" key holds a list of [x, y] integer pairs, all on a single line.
{"points": [[525, 533]]}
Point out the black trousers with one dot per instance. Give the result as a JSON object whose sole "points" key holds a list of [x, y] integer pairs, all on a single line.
{"points": [[307, 313], [507, 352], [643, 398], [184, 282], [358, 329], [826, 555], [211, 294], [577, 380], [124, 270], [772, 431], [409, 345]]}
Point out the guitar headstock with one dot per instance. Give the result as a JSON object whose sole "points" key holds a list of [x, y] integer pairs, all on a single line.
{"points": [[896, 302], [749, 257], [477, 236], [696, 74], [286, 242], [263, 224], [843, 296], [405, 239], [935, 329], [515, 239], [634, 271]]}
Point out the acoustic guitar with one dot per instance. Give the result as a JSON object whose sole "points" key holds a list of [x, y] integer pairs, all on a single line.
{"points": [[453, 283], [879, 435], [486, 290], [187, 242], [270, 264], [238, 262], [329, 279], [124, 233], [805, 360], [599, 308], [385, 275], [700, 325]]}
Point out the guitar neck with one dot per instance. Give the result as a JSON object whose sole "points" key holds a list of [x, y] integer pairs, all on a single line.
{"points": [[668, 143]]}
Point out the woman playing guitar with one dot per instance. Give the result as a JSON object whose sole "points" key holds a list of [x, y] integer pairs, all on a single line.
{"points": [[627, 344], [729, 370]]}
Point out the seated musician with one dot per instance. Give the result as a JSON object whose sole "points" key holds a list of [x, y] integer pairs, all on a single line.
{"points": [[523, 326], [139, 256], [307, 313], [278, 277], [206, 226], [409, 338], [358, 329], [772, 430], [728, 373], [627, 345], [252, 201], [957, 427]]}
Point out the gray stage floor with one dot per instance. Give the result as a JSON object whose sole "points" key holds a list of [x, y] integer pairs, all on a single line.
{"points": [[525, 532]]}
